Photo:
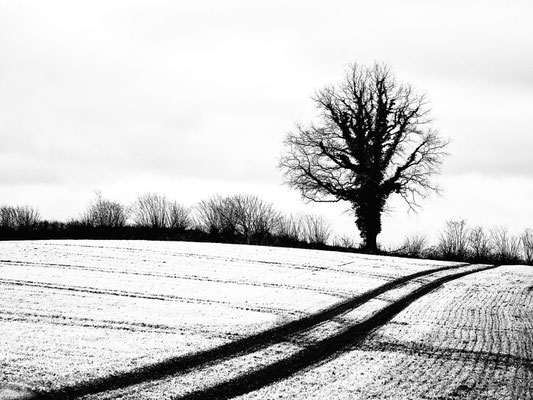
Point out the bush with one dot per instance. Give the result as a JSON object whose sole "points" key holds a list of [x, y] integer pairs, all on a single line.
{"points": [[103, 213], [346, 242], [453, 241], [316, 229], [155, 211], [290, 229], [506, 248], [526, 240], [217, 215], [413, 246], [239, 217], [256, 218], [20, 217], [480, 246]]}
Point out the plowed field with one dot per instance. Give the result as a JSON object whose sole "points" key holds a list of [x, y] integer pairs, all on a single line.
{"points": [[139, 320]]}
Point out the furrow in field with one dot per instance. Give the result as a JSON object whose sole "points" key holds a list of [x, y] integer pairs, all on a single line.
{"points": [[61, 319], [312, 353], [199, 278], [469, 339], [192, 317], [202, 255], [161, 297], [252, 346]]}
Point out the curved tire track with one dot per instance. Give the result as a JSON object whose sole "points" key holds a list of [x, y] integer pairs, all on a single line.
{"points": [[248, 382], [317, 352]]}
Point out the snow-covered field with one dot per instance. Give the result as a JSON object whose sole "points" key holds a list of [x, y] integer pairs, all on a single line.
{"points": [[470, 339], [77, 312]]}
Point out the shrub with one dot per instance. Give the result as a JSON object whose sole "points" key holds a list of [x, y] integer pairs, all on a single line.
{"points": [[413, 246], [156, 211], [453, 241], [317, 230], [256, 218], [20, 217], [506, 248], [103, 213], [526, 240], [480, 246], [290, 229], [245, 216], [345, 241]]}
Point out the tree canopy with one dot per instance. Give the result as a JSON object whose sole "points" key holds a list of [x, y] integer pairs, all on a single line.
{"points": [[373, 138]]}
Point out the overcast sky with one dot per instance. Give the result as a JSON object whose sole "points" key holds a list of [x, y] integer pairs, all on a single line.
{"points": [[193, 98]]}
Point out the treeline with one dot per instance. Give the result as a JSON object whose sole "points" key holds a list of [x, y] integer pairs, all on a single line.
{"points": [[243, 219], [460, 242], [247, 219]]}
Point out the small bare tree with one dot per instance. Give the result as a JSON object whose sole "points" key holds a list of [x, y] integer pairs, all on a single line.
{"points": [[413, 246], [453, 241], [217, 215], [290, 228], [256, 218], [479, 243], [19, 217], [506, 247], [104, 213], [373, 140], [316, 229], [156, 211], [179, 216], [527, 245], [240, 215], [345, 241]]}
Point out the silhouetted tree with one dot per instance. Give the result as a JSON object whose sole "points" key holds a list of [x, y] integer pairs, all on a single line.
{"points": [[373, 139], [290, 229], [316, 229], [156, 211], [104, 213], [506, 248], [454, 240], [19, 217], [413, 246], [526, 238], [217, 215], [479, 243], [246, 216]]}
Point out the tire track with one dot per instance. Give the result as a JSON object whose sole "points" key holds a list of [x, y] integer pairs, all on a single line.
{"points": [[273, 372], [319, 351], [478, 327]]}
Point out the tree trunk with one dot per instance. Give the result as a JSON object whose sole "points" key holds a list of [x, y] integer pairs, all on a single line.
{"points": [[368, 214]]}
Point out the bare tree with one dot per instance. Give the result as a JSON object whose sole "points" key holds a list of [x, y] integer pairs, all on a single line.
{"points": [[453, 241], [290, 228], [506, 247], [373, 140], [179, 216], [413, 246], [345, 241], [105, 213], [256, 218], [316, 229], [527, 245], [479, 243], [8, 217], [244, 215], [217, 215], [19, 217], [156, 211]]}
